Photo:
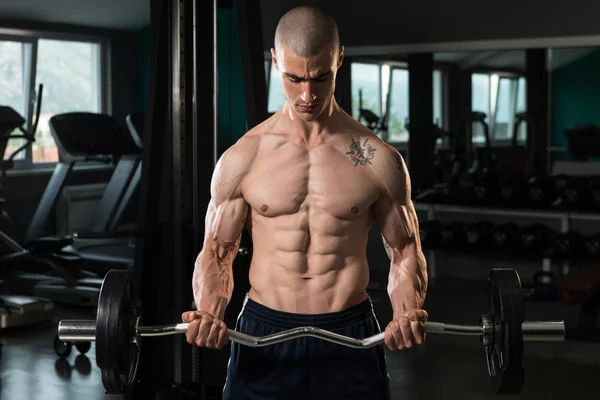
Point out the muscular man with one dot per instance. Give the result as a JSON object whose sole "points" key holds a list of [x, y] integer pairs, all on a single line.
{"points": [[309, 183]]}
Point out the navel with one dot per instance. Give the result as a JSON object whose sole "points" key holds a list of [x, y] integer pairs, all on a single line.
{"points": [[264, 208], [354, 210]]}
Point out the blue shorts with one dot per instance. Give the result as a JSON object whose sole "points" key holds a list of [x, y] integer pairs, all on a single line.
{"points": [[307, 368]]}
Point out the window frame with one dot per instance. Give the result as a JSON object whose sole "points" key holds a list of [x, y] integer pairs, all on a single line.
{"points": [[102, 64], [443, 93], [381, 83], [505, 73]]}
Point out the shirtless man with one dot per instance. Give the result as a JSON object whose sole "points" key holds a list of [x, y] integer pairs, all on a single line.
{"points": [[309, 183]]}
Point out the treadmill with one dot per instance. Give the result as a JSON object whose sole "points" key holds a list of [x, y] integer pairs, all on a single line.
{"points": [[19, 310], [83, 137]]}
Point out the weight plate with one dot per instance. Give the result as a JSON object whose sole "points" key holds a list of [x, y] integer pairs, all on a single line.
{"points": [[116, 350], [505, 352]]}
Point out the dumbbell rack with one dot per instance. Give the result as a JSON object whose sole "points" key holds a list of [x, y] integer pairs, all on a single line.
{"points": [[564, 217]]}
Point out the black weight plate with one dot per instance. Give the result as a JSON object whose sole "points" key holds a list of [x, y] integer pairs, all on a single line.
{"points": [[118, 307], [505, 353]]}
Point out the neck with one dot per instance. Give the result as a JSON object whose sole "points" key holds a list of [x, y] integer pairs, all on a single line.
{"points": [[307, 130]]}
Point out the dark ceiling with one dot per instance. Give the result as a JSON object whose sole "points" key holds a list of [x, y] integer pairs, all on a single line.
{"points": [[377, 23]]}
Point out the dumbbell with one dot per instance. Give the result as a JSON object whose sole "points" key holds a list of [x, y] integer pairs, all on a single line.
{"points": [[538, 195], [452, 235], [593, 188], [505, 237], [536, 239], [569, 192], [513, 190], [544, 286], [429, 231], [568, 246], [592, 246], [478, 235]]}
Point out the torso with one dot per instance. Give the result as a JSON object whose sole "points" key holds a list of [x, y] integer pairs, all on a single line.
{"points": [[309, 216]]}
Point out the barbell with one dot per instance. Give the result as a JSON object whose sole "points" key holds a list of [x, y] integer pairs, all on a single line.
{"points": [[118, 331]]}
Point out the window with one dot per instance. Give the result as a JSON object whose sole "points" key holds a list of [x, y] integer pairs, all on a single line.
{"points": [[366, 89], [480, 102], [276, 97], [438, 98], [14, 83], [398, 108], [501, 98], [396, 102], [70, 72], [521, 108]]}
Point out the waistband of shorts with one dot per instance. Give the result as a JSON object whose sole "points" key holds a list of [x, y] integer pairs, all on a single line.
{"points": [[286, 320]]}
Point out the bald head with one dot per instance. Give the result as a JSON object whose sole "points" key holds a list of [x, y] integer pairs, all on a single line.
{"points": [[306, 31]]}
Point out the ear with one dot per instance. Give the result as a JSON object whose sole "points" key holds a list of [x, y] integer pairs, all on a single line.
{"points": [[274, 58], [340, 56]]}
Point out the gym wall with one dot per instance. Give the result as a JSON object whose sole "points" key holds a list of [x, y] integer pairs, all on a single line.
{"points": [[144, 55], [232, 105], [412, 22], [575, 99]]}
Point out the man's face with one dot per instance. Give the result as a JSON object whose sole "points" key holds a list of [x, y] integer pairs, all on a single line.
{"points": [[308, 83]]}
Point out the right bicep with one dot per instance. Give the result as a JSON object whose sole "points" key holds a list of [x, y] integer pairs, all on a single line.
{"points": [[227, 209], [225, 220]]}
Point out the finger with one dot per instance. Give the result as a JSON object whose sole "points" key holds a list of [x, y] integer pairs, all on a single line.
{"points": [[187, 316], [418, 331], [389, 340], [203, 331], [406, 332], [192, 331], [417, 315], [397, 333], [223, 336], [213, 335]]}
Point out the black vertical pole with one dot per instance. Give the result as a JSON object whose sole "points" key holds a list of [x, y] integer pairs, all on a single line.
{"points": [[538, 94], [459, 102], [209, 365], [343, 86], [253, 59], [153, 248], [421, 142]]}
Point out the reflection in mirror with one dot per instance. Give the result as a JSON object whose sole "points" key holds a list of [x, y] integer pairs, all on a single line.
{"points": [[498, 90], [380, 89], [575, 101]]}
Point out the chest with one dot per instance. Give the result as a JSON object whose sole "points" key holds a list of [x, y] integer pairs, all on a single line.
{"points": [[290, 179]]}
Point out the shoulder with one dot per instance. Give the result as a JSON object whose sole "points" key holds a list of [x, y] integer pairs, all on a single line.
{"points": [[233, 165], [369, 149], [239, 156], [386, 164]]}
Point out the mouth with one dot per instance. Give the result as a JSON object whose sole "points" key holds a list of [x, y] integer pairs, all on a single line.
{"points": [[306, 108]]}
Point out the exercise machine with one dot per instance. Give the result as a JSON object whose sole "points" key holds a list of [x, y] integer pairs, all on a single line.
{"points": [[17, 310], [83, 137]]}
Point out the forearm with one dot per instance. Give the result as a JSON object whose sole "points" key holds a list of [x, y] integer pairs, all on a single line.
{"points": [[213, 282], [407, 282]]}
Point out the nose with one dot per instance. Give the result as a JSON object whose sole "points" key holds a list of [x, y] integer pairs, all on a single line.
{"points": [[308, 95]]}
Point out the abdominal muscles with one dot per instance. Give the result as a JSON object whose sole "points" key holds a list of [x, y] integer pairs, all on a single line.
{"points": [[312, 260]]}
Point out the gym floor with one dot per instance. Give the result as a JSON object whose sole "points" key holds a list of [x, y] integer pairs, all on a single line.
{"points": [[445, 367]]}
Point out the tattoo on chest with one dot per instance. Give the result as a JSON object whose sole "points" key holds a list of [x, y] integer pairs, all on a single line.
{"points": [[361, 154]]}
